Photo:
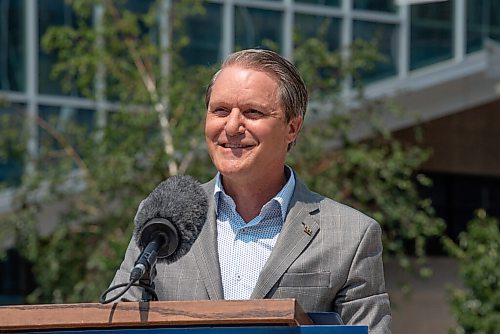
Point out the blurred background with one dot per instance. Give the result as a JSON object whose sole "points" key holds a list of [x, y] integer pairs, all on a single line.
{"points": [[101, 100]]}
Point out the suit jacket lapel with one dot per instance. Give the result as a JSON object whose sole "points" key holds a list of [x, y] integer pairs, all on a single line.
{"points": [[205, 250], [299, 229]]}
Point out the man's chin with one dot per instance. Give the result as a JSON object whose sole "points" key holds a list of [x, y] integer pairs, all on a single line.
{"points": [[233, 171]]}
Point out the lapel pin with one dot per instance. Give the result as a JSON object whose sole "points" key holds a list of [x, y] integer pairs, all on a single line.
{"points": [[307, 229]]}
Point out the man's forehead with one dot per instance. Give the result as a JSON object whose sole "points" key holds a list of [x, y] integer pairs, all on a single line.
{"points": [[239, 78], [249, 69]]}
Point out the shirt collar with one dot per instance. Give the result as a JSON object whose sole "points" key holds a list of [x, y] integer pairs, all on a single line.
{"points": [[283, 197]]}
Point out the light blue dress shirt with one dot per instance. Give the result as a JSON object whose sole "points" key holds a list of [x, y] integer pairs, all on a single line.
{"points": [[245, 247]]}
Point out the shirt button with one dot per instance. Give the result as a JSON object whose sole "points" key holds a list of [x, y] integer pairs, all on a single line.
{"points": [[238, 277]]}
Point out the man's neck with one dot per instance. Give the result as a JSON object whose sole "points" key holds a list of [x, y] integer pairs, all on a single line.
{"points": [[251, 195]]}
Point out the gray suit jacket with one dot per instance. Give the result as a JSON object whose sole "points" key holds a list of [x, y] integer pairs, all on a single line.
{"points": [[328, 256]]}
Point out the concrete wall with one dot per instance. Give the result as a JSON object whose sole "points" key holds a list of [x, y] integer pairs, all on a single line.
{"points": [[420, 306]]}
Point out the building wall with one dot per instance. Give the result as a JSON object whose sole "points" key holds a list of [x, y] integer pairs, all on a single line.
{"points": [[420, 305], [464, 165], [465, 142]]}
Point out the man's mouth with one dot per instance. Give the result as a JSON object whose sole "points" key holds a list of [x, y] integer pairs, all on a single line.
{"points": [[233, 145]]}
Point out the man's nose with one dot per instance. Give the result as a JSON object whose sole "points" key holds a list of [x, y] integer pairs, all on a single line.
{"points": [[235, 123]]}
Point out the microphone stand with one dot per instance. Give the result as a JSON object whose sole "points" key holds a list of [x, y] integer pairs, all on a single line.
{"points": [[148, 281]]}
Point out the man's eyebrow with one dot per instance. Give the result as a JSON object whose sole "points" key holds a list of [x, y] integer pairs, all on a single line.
{"points": [[217, 103], [253, 105], [246, 105]]}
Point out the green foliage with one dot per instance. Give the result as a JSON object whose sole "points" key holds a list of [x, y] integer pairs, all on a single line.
{"points": [[477, 306], [13, 141], [96, 175], [377, 176], [90, 178], [3, 101]]}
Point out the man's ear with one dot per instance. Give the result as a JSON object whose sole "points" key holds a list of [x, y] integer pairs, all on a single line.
{"points": [[294, 126]]}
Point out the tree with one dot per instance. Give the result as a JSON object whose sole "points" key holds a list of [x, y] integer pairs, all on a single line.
{"points": [[152, 130], [102, 169], [477, 306], [378, 176]]}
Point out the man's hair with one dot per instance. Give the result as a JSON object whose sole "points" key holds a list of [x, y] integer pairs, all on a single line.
{"points": [[291, 88]]}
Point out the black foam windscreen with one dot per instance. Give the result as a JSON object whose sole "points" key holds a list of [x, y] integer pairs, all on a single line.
{"points": [[180, 200]]}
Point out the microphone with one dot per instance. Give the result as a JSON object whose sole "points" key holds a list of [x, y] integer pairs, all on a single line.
{"points": [[168, 222]]}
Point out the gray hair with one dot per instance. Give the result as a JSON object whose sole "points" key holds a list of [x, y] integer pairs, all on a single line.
{"points": [[291, 88]]}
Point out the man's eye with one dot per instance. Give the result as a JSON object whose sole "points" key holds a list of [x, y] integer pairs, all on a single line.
{"points": [[252, 113], [220, 112]]}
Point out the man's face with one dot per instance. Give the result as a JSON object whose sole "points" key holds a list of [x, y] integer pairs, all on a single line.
{"points": [[245, 129]]}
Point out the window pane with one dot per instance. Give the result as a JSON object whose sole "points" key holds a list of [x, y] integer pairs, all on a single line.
{"points": [[12, 65], [494, 24], [17, 278], [204, 32], [61, 117], [51, 13], [483, 21], [257, 27], [375, 5], [137, 6], [74, 123], [431, 38], [334, 3], [308, 26], [387, 41], [12, 144]]}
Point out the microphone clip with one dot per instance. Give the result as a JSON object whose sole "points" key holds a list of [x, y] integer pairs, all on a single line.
{"points": [[148, 281], [158, 238]]}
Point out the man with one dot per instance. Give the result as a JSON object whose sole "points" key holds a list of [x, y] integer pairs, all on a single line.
{"points": [[267, 235]]}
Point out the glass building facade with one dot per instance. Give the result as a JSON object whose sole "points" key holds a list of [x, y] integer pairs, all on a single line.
{"points": [[411, 37]]}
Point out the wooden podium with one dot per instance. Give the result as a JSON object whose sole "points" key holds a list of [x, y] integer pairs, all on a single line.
{"points": [[280, 315]]}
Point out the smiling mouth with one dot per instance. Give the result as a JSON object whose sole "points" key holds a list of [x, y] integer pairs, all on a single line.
{"points": [[232, 145]]}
